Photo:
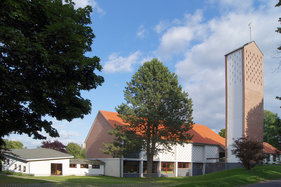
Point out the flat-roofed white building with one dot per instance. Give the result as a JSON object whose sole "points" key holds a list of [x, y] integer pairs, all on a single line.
{"points": [[46, 162]]}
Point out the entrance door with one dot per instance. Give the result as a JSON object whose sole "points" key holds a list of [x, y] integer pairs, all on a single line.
{"points": [[56, 169]]}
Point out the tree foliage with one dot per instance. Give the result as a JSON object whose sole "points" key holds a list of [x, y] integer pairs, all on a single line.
{"points": [[10, 144], [158, 110], [222, 133], [125, 141], [75, 150], [42, 65], [55, 145], [248, 151], [272, 129]]}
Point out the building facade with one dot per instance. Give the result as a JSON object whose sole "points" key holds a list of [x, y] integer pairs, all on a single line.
{"points": [[193, 158], [46, 162], [244, 96]]}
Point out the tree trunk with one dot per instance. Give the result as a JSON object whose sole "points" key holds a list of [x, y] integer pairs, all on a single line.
{"points": [[149, 161]]}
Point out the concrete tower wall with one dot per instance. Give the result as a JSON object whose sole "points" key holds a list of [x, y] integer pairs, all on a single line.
{"points": [[253, 92], [234, 79], [244, 96]]}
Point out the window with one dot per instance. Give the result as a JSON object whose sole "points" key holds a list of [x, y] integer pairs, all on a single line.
{"points": [[131, 167], [167, 167], [73, 165], [84, 166], [24, 168], [19, 167], [274, 158], [96, 166], [16, 167], [56, 169], [183, 165]]}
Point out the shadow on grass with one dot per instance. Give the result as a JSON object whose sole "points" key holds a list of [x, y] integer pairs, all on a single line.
{"points": [[234, 177], [9, 179]]}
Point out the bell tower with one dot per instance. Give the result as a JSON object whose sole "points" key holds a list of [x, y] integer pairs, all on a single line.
{"points": [[244, 96]]}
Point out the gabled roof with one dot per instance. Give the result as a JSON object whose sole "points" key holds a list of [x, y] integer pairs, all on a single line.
{"points": [[243, 47], [202, 134], [112, 118], [37, 154], [269, 149]]}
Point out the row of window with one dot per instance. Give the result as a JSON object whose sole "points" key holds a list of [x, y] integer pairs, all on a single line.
{"points": [[19, 168], [166, 167], [84, 166]]}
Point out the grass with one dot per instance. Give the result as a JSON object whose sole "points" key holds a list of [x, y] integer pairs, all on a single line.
{"points": [[10, 179], [234, 177]]}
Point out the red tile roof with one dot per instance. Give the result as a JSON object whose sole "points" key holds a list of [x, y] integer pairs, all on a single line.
{"points": [[112, 118], [267, 148], [202, 134]]}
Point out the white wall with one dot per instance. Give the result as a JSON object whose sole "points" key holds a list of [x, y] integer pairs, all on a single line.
{"points": [[271, 161], [184, 153], [211, 153], [13, 163], [43, 168], [198, 153], [112, 166], [167, 155], [234, 101], [78, 171]]}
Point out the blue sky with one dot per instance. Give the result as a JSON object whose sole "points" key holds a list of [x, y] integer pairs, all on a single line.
{"points": [[190, 38]]}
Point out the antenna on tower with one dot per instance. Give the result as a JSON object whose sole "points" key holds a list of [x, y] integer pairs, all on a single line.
{"points": [[250, 31]]}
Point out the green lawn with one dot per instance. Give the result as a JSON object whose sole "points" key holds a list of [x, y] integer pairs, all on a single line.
{"points": [[235, 177], [10, 179]]}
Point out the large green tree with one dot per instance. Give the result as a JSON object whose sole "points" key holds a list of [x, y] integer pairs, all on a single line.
{"points": [[272, 129], [158, 110], [76, 150], [43, 68]]}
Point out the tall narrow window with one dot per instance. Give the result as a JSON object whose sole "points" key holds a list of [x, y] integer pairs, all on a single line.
{"points": [[167, 167], [56, 169]]}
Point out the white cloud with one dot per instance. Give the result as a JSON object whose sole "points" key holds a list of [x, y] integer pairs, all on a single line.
{"points": [[202, 69], [162, 26], [118, 63], [141, 32], [94, 4], [177, 38]]}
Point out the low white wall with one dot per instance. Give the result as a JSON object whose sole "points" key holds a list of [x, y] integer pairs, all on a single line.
{"points": [[15, 166], [112, 166], [184, 153], [43, 168], [78, 171], [271, 160]]}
